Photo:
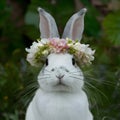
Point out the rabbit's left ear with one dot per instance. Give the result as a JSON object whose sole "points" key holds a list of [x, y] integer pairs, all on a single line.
{"points": [[75, 26], [47, 25]]}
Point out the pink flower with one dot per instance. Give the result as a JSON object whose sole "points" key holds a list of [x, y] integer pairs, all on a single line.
{"points": [[53, 41], [58, 45]]}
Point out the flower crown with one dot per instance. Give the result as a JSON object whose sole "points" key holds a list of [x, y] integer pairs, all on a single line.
{"points": [[39, 50]]}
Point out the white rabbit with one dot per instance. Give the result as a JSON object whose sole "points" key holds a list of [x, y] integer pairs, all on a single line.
{"points": [[60, 95]]}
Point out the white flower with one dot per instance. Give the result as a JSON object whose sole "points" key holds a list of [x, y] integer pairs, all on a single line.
{"points": [[40, 49], [84, 53], [77, 46], [44, 41], [32, 52]]}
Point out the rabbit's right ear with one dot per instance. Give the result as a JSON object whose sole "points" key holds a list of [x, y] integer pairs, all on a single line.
{"points": [[47, 25], [75, 26]]}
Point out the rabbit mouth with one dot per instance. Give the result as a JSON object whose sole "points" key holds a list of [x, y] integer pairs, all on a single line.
{"points": [[60, 83]]}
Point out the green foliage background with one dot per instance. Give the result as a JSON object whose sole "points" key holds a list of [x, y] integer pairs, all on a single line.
{"points": [[19, 28]]}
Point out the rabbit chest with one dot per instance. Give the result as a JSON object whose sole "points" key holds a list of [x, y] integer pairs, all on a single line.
{"points": [[60, 106]]}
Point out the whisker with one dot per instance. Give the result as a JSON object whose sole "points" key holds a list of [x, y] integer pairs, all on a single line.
{"points": [[75, 71], [43, 77], [47, 70], [76, 74], [45, 74], [30, 90], [87, 71], [91, 78], [31, 82], [75, 77], [93, 95], [90, 85]]}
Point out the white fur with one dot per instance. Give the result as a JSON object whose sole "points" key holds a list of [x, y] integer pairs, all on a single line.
{"points": [[59, 106], [57, 102]]}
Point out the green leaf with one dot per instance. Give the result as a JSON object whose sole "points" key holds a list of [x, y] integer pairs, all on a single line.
{"points": [[111, 25]]}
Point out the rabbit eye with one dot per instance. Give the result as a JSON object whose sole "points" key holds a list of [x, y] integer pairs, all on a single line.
{"points": [[46, 62], [73, 61]]}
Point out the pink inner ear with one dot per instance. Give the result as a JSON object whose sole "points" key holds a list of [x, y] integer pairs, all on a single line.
{"points": [[77, 29], [45, 30]]}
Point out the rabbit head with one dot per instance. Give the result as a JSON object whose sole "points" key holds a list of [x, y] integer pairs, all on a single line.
{"points": [[60, 72]]}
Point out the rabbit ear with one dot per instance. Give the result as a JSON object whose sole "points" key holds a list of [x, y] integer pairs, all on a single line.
{"points": [[75, 26], [47, 25]]}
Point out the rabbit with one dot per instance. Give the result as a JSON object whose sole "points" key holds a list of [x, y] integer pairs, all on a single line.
{"points": [[60, 95]]}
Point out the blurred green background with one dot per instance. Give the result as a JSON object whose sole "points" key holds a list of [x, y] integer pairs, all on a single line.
{"points": [[19, 28]]}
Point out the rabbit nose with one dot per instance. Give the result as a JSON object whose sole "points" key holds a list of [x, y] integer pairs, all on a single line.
{"points": [[59, 76]]}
